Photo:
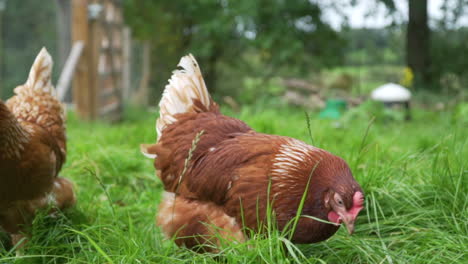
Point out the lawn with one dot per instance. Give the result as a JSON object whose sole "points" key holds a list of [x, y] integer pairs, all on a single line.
{"points": [[414, 175]]}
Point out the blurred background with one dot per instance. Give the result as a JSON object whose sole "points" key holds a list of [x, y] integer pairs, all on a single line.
{"points": [[297, 52]]}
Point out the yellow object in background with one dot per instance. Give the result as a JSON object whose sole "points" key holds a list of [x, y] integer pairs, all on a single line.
{"points": [[408, 77]]}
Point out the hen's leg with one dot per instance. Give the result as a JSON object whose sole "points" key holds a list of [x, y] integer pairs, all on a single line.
{"points": [[18, 241], [196, 224]]}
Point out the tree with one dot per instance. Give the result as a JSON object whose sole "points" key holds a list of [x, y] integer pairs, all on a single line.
{"points": [[293, 33], [417, 42], [418, 56], [445, 43]]}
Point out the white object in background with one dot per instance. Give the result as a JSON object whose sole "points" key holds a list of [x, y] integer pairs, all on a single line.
{"points": [[69, 70], [391, 93]]}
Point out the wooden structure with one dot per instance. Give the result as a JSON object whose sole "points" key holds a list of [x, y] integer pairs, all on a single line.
{"points": [[69, 70], [97, 83]]}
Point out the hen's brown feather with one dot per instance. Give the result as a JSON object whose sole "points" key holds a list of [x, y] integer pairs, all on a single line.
{"points": [[31, 174], [172, 150], [195, 223], [41, 109], [32, 138]]}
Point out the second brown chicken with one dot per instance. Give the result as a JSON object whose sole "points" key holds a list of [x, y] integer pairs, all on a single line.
{"points": [[220, 175]]}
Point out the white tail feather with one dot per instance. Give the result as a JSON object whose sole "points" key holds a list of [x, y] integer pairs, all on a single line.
{"points": [[41, 73], [145, 152], [184, 86]]}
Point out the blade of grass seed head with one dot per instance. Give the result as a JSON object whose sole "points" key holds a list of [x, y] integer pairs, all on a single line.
{"points": [[363, 141], [186, 164], [308, 127], [94, 244], [189, 157], [107, 157], [94, 173], [366, 133]]}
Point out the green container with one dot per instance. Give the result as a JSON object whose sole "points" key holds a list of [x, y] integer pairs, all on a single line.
{"points": [[334, 108]]}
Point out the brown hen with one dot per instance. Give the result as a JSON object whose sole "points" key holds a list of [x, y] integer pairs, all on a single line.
{"points": [[32, 151], [219, 174]]}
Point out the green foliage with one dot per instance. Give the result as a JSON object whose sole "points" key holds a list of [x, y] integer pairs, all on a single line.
{"points": [[270, 88], [370, 46], [414, 178], [286, 30], [447, 47], [26, 29], [225, 34]]}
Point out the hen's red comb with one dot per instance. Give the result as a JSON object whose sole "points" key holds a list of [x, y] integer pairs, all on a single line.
{"points": [[358, 199], [358, 204]]}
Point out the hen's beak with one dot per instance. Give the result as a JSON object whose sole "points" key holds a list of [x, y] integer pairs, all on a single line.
{"points": [[348, 220]]}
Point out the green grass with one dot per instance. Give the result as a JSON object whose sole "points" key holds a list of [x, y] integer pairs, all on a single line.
{"points": [[414, 175]]}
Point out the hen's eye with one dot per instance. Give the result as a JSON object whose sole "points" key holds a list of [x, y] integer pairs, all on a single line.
{"points": [[338, 200]]}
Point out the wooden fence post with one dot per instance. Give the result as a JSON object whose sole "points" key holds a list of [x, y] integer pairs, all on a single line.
{"points": [[94, 43], [97, 86], [126, 62], [68, 70], [81, 89]]}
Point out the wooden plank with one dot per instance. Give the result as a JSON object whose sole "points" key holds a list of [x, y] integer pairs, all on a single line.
{"points": [[112, 56], [95, 33], [126, 59], [63, 20], [69, 70], [97, 83], [81, 92], [110, 61]]}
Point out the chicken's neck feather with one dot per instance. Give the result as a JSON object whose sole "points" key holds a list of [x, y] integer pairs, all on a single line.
{"points": [[13, 136], [291, 158]]}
